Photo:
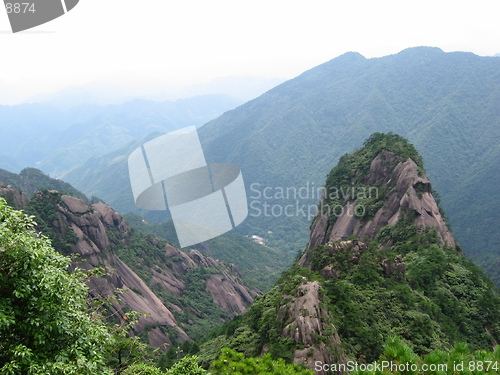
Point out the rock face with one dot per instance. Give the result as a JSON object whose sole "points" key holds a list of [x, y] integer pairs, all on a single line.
{"points": [[307, 319], [96, 231], [406, 192], [410, 192], [14, 197]]}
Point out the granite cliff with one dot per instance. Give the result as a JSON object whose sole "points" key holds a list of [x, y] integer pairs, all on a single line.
{"points": [[97, 236]]}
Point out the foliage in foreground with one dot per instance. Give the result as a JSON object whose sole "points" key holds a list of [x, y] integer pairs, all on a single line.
{"points": [[232, 362], [398, 359], [47, 325], [44, 324]]}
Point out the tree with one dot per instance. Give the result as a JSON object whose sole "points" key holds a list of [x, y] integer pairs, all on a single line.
{"points": [[45, 326], [232, 362], [187, 366], [142, 369]]}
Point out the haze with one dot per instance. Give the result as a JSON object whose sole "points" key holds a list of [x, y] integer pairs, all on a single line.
{"points": [[146, 47]]}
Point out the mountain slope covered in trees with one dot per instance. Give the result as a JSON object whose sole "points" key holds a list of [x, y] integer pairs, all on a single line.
{"points": [[445, 103]]}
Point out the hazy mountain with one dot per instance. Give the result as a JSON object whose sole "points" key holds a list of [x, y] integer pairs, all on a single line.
{"points": [[57, 140], [243, 88], [445, 103], [31, 180]]}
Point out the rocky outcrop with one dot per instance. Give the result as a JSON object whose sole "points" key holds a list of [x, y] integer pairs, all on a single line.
{"points": [[229, 294], [92, 241], [407, 192], [122, 284], [309, 326], [226, 287], [14, 197]]}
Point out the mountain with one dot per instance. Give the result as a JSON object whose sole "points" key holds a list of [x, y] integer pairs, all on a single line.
{"points": [[57, 140], [184, 294], [31, 180], [381, 264], [259, 265], [287, 139], [444, 103]]}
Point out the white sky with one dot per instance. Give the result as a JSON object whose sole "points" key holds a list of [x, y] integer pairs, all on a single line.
{"points": [[180, 42]]}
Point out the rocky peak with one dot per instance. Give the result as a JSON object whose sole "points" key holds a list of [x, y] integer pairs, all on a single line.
{"points": [[380, 262], [15, 198], [393, 188]]}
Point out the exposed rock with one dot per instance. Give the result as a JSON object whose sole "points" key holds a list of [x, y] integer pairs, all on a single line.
{"points": [[93, 244], [14, 197], [319, 229], [380, 166], [75, 205], [307, 320], [229, 294], [410, 193]]}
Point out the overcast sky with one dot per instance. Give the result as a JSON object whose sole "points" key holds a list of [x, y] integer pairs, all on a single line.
{"points": [[179, 42]]}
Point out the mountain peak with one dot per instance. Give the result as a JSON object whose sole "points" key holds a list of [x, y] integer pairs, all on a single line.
{"points": [[351, 56], [378, 185], [389, 269], [421, 50]]}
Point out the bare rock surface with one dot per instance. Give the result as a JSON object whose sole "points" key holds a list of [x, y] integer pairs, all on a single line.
{"points": [[307, 319], [16, 198], [410, 193], [91, 225]]}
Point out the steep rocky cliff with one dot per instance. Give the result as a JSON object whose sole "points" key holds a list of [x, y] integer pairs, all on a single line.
{"points": [[394, 188], [15, 198], [97, 236], [381, 262]]}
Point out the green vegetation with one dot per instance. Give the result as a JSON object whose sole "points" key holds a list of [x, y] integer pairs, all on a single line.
{"points": [[43, 206], [44, 323], [48, 324], [437, 297], [232, 362], [259, 265], [353, 168], [399, 359]]}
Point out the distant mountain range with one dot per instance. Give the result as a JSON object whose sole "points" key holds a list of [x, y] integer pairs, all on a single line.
{"points": [[445, 103], [57, 140]]}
